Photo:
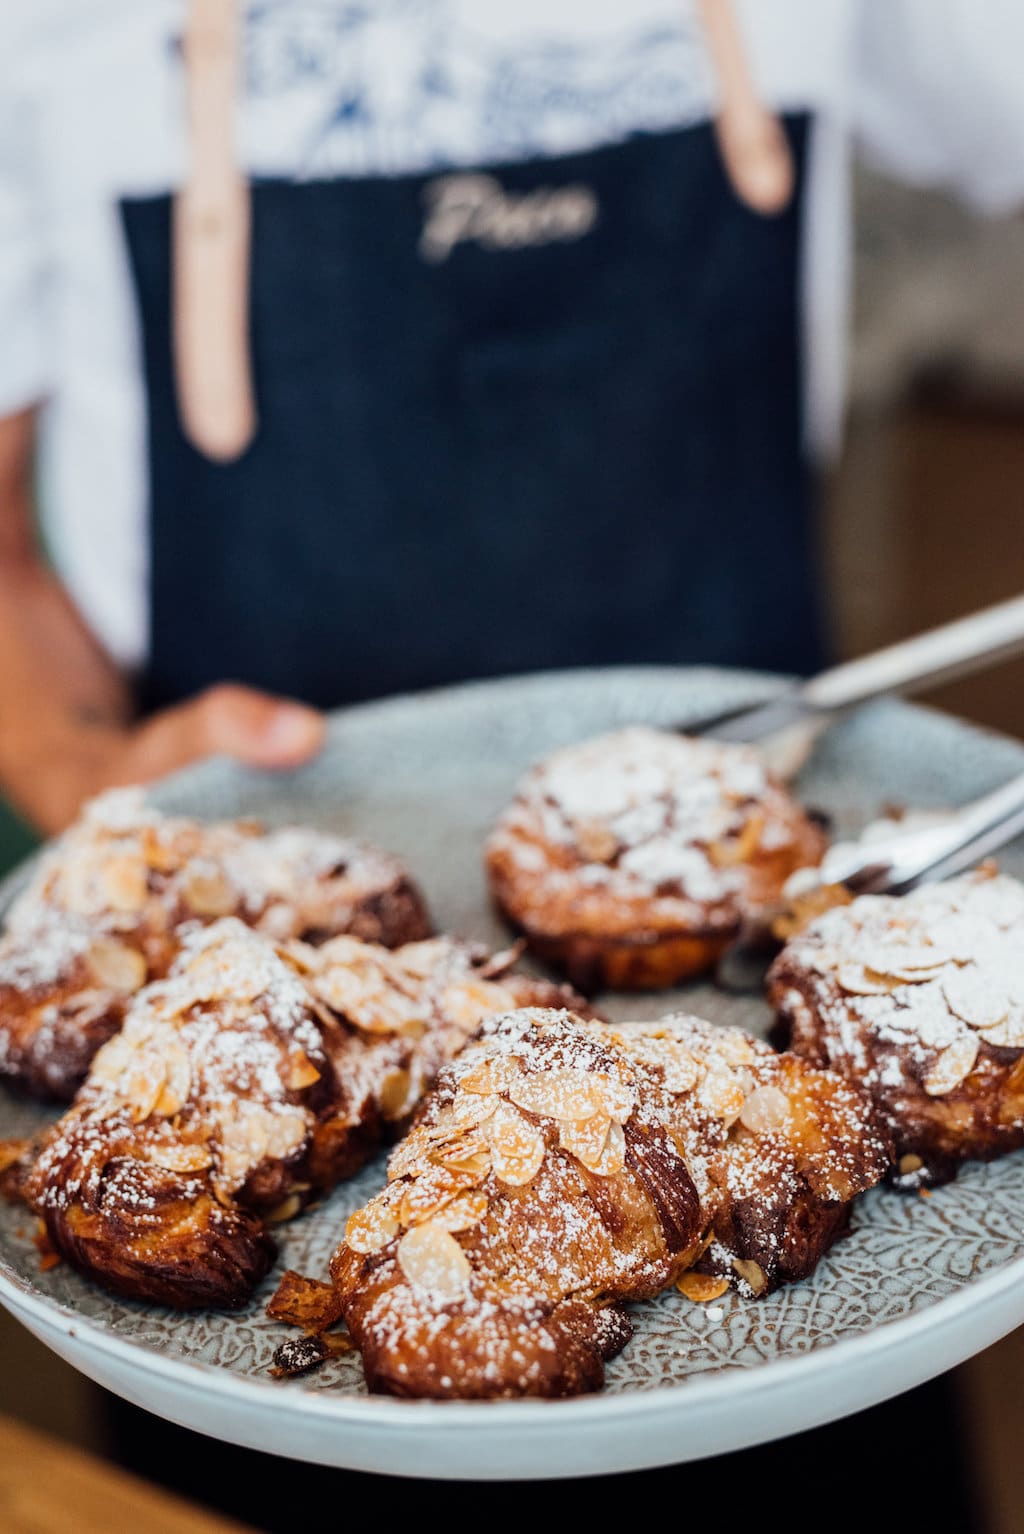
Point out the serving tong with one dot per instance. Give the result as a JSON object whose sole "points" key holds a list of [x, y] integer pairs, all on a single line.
{"points": [[787, 726], [891, 863], [947, 844], [938, 846]]}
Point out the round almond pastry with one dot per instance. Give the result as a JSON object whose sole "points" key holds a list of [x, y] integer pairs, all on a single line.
{"points": [[111, 900], [921, 1001], [632, 861]]}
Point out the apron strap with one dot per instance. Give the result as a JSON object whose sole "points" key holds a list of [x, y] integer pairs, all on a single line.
{"points": [[751, 140], [210, 242], [212, 213]]}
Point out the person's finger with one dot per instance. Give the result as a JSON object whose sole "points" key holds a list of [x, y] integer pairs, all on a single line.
{"points": [[252, 727]]}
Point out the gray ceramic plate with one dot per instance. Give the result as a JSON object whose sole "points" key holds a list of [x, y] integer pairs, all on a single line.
{"points": [[919, 1285]]}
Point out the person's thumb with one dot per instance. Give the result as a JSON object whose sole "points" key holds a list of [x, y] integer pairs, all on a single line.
{"points": [[253, 727]]}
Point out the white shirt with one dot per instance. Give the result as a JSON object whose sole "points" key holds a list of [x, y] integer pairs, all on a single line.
{"points": [[91, 111]]}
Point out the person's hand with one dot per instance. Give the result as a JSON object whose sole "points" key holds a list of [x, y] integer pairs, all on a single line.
{"points": [[52, 768]]}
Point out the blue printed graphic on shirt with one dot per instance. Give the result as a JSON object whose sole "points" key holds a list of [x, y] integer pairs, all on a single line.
{"points": [[397, 85]]}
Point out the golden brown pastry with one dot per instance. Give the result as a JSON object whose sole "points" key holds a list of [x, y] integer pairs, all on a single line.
{"points": [[252, 1078], [560, 1168], [632, 861], [104, 914], [920, 1000]]}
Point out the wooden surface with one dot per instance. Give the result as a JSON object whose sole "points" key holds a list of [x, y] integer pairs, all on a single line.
{"points": [[993, 1412], [47, 1487]]}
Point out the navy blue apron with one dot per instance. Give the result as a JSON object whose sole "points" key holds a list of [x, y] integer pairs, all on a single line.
{"points": [[581, 452]]}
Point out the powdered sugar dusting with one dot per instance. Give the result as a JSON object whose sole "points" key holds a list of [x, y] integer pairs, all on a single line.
{"points": [[644, 812], [535, 1248], [206, 1055], [921, 1001], [921, 974], [113, 898]]}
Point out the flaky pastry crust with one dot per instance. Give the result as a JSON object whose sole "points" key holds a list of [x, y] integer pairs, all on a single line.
{"points": [[105, 912], [920, 1000], [254, 1077], [560, 1168]]}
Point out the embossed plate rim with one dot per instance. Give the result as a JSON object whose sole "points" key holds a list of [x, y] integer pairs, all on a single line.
{"points": [[702, 1386], [636, 1426]]}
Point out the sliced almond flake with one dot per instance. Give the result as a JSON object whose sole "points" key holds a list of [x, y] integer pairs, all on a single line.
{"points": [[733, 1046], [618, 1098], [702, 1288], [907, 961], [286, 1133], [739, 849], [143, 1083], [586, 1141], [566, 1094], [468, 1158], [596, 841], [301, 1071], [365, 1001], [722, 1092], [432, 1260], [752, 1274], [495, 1074], [411, 1155], [471, 1108], [396, 1096], [1006, 1035], [425, 1195], [957, 936], [468, 1002], [678, 1067], [157, 851], [179, 1080], [286, 1210], [613, 1157], [209, 894], [12, 1151], [599, 1144], [112, 1061], [517, 1146], [243, 1145], [661, 1031], [914, 976], [423, 959], [73, 888], [340, 952], [370, 1230], [180, 1158], [953, 1065], [937, 1027], [124, 884], [1012, 976], [500, 963], [766, 1109], [859, 980], [215, 974], [251, 1134], [974, 998], [301, 956], [115, 966], [464, 1212]]}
